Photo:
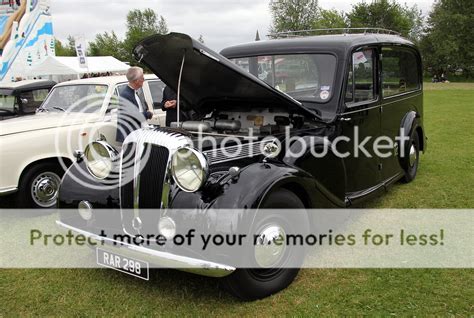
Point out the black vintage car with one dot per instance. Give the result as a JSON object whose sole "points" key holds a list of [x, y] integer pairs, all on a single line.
{"points": [[23, 98], [281, 103]]}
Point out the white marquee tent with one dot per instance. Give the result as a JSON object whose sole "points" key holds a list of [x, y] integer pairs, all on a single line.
{"points": [[62, 68]]}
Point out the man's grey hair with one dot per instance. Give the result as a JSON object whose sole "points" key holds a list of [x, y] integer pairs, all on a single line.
{"points": [[134, 73]]}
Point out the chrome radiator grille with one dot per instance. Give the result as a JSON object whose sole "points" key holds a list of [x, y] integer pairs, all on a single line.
{"points": [[126, 181], [144, 179], [152, 177]]}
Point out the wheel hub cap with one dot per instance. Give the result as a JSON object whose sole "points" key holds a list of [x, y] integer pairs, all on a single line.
{"points": [[413, 156], [44, 189], [270, 246]]}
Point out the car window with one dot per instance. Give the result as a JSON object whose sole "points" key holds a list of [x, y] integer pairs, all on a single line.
{"points": [[156, 90], [39, 95], [361, 77], [8, 103], [87, 98], [400, 72], [31, 100], [306, 77], [114, 100]]}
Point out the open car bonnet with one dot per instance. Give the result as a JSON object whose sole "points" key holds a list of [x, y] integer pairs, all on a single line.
{"points": [[209, 80]]}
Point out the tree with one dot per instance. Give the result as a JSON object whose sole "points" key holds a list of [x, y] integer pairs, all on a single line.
{"points": [[328, 19], [71, 45], [388, 15], [141, 24], [107, 44], [65, 50], [293, 15], [162, 26], [448, 43]]}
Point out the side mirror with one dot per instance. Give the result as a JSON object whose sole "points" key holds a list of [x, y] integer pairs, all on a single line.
{"points": [[78, 154]]}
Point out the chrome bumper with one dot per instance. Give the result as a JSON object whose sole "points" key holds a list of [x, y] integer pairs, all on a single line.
{"points": [[161, 259]]}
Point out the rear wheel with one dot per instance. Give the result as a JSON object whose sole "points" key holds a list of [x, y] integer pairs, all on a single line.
{"points": [[271, 273], [39, 186], [411, 158]]}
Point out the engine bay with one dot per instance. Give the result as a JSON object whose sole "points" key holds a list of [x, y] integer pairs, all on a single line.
{"points": [[258, 122]]}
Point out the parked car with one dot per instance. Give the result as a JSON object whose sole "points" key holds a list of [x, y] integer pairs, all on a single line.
{"points": [[37, 149], [340, 92], [22, 98]]}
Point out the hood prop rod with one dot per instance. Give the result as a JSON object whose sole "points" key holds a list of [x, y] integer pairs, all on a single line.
{"points": [[179, 89]]}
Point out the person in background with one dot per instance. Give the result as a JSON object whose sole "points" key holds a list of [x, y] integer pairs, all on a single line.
{"points": [[132, 111], [168, 105]]}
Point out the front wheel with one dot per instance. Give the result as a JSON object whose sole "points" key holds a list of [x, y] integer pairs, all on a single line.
{"points": [[39, 186], [273, 273]]}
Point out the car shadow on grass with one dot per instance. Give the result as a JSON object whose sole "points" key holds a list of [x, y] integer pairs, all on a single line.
{"points": [[172, 283]]}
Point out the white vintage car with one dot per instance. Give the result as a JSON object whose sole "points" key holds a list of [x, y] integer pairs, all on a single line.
{"points": [[36, 150]]}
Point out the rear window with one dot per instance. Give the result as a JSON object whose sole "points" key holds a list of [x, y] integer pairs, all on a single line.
{"points": [[400, 71]]}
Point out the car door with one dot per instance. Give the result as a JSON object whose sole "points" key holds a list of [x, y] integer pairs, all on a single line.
{"points": [[155, 89], [401, 92], [109, 127], [360, 122]]}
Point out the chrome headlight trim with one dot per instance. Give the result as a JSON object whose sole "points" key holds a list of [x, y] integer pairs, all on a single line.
{"points": [[203, 168], [111, 156]]}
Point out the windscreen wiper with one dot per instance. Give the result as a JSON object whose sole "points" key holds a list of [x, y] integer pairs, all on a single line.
{"points": [[58, 108]]}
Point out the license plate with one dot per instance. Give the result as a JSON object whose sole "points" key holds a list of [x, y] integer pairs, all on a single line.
{"points": [[123, 264]]}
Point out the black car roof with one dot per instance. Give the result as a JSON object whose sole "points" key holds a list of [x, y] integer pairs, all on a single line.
{"points": [[18, 87], [328, 43]]}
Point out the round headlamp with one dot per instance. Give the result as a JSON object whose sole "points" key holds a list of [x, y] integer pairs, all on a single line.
{"points": [[99, 157], [189, 169]]}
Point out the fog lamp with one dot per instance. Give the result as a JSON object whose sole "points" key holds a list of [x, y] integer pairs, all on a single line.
{"points": [[85, 210], [167, 228]]}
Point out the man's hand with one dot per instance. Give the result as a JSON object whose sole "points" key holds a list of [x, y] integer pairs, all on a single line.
{"points": [[148, 115], [170, 104]]}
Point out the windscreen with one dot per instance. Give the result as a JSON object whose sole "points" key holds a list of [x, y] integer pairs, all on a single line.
{"points": [[305, 77], [76, 98]]}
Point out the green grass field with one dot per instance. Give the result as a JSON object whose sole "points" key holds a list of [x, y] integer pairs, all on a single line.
{"points": [[445, 180]]}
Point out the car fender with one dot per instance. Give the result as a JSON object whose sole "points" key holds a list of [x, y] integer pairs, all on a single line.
{"points": [[411, 122], [246, 192], [24, 149]]}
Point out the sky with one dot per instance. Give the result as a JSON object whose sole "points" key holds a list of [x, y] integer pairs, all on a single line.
{"points": [[221, 23]]}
